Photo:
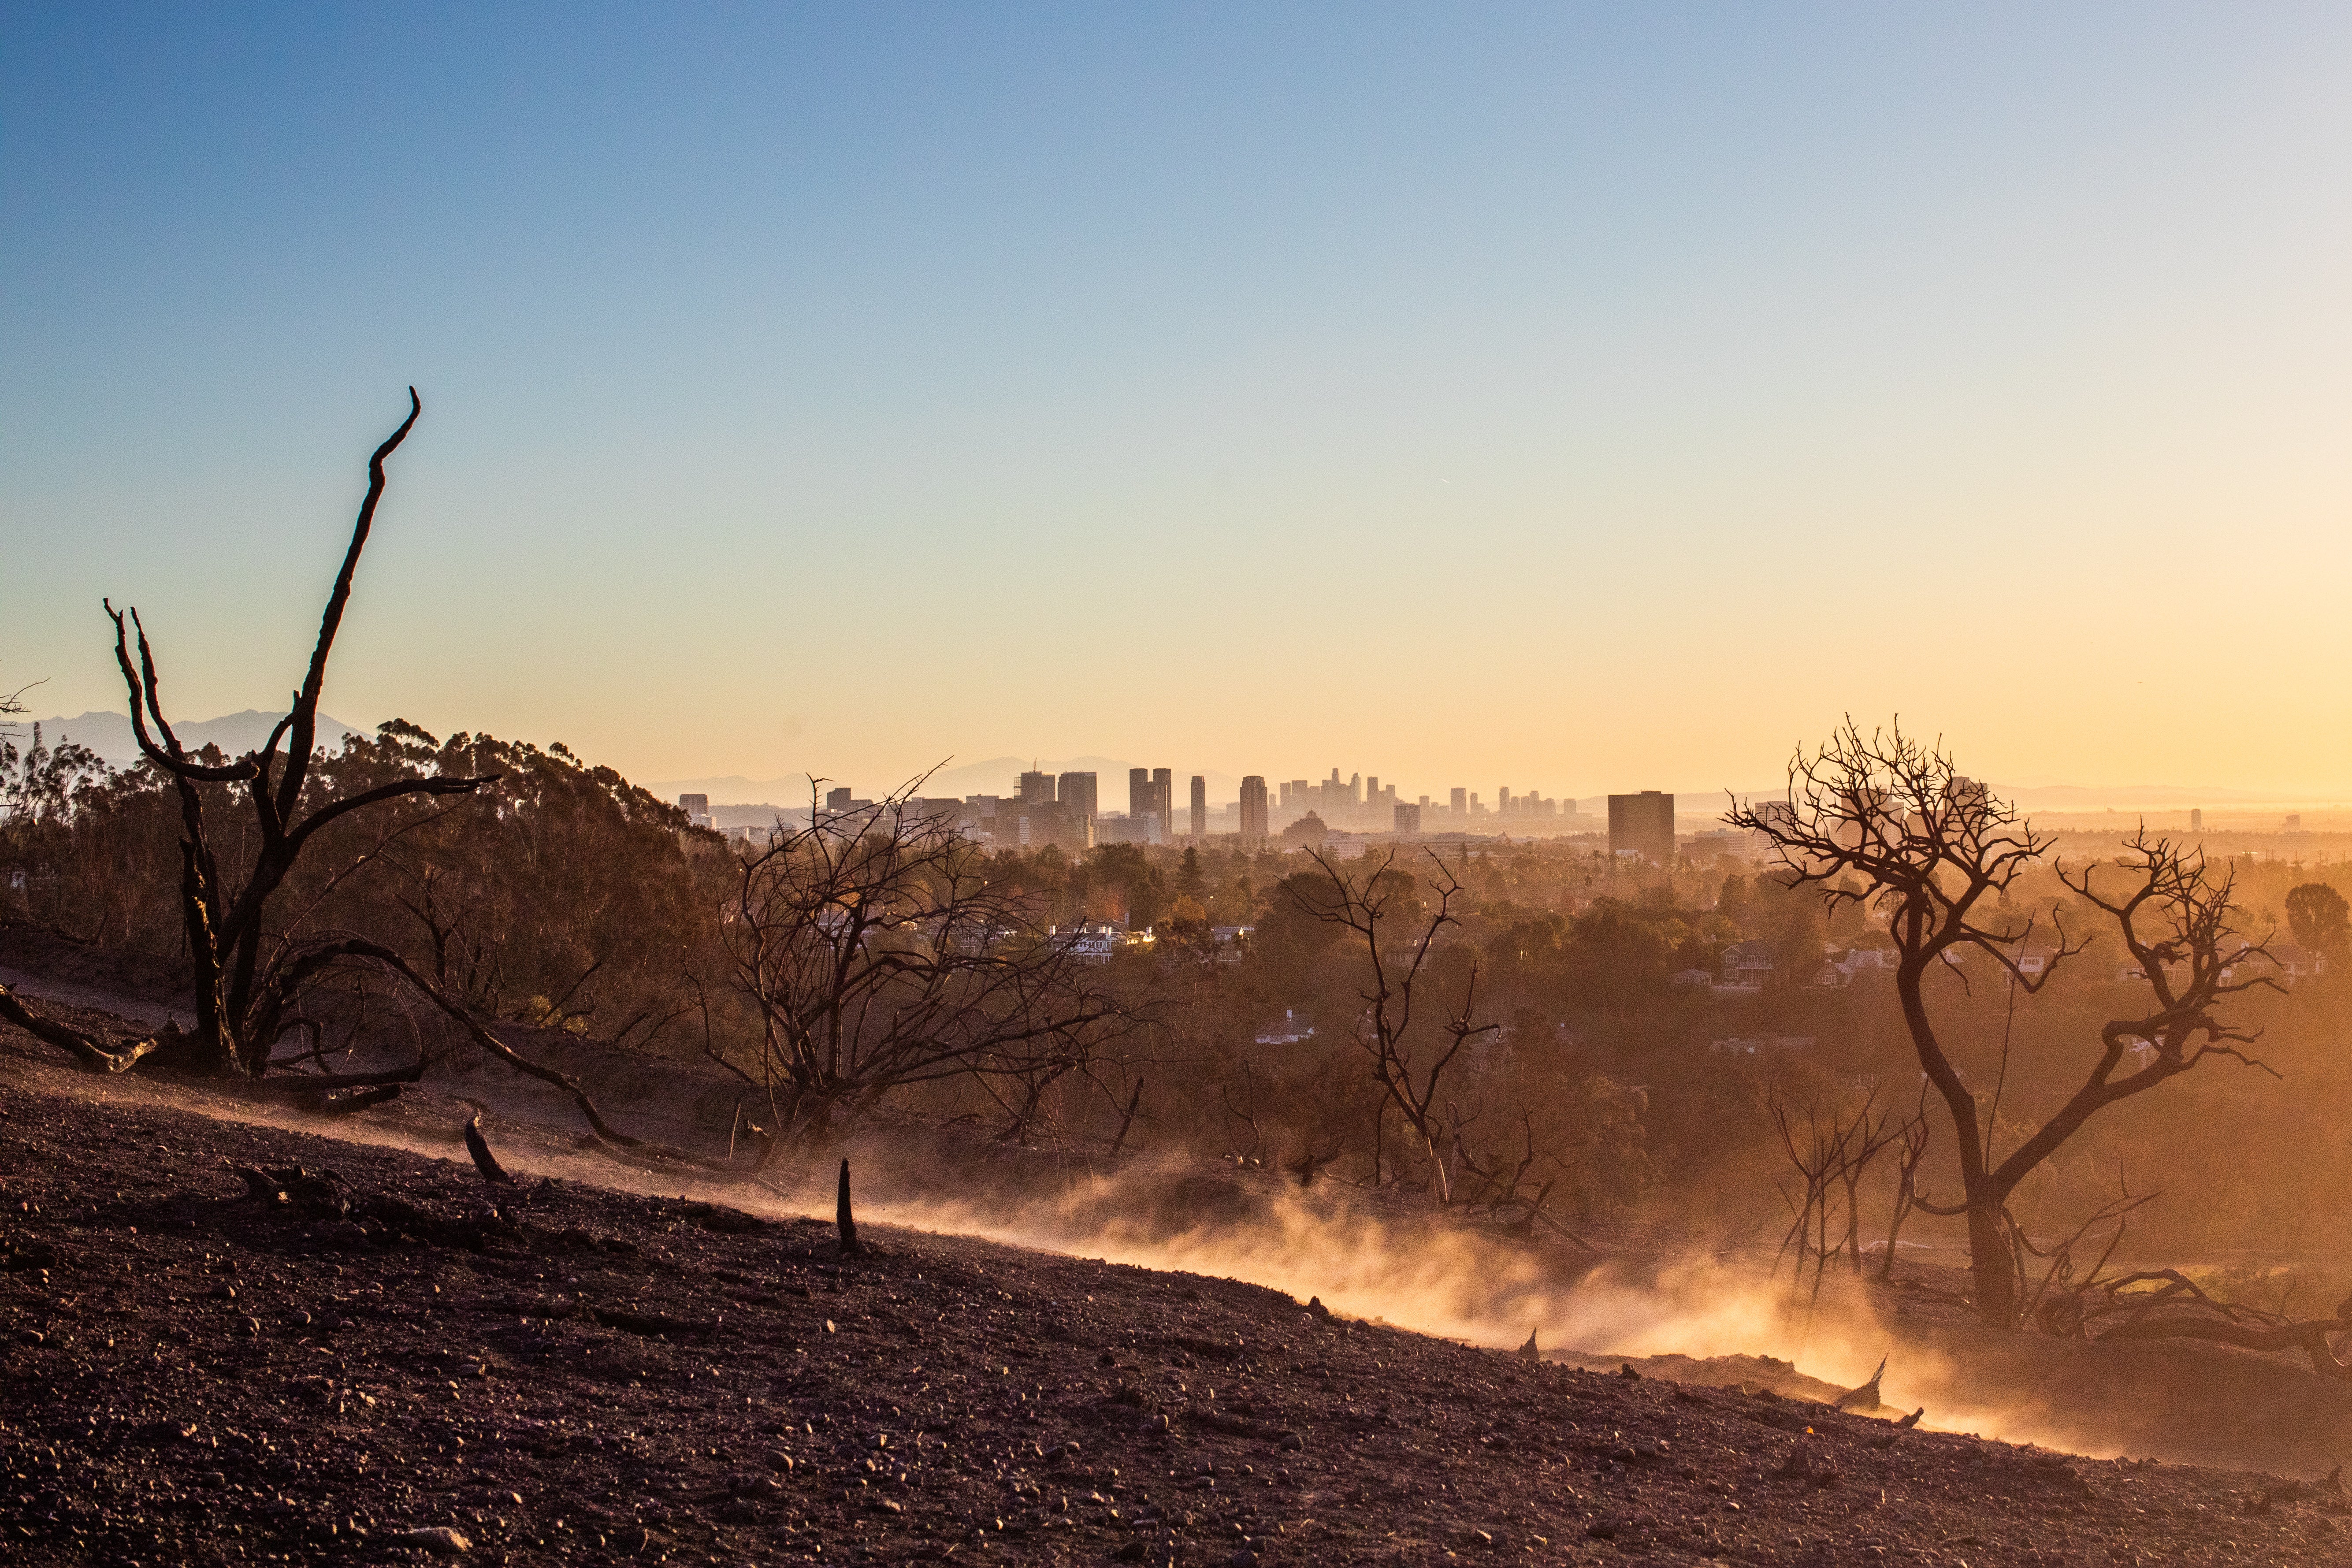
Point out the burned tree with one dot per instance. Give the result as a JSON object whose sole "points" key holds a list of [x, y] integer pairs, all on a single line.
{"points": [[1885, 821], [877, 954], [1912, 1137], [1382, 909], [248, 980]]}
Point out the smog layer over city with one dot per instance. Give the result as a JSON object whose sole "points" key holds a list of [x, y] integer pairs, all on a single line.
{"points": [[1172, 784]]}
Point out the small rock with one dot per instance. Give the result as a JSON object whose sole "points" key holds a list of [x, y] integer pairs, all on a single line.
{"points": [[437, 1538]]}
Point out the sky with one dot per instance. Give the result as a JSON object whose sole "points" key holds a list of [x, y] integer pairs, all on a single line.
{"points": [[1566, 397]]}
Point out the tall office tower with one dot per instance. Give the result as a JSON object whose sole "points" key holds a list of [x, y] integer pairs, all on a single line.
{"points": [[1355, 787], [1461, 803], [1286, 786], [837, 799], [1371, 789], [694, 805], [1036, 789], [1408, 817], [1643, 825], [1200, 808], [1163, 800], [1254, 812], [1503, 801], [1139, 791], [2196, 819], [1077, 795]]}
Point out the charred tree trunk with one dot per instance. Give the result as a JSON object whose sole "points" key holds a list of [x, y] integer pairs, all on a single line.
{"points": [[845, 1221]]}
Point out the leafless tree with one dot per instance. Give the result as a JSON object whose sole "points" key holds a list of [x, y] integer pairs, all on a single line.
{"points": [[1872, 1132], [878, 953], [249, 978], [1505, 1178], [1378, 906], [1912, 1136], [1819, 1147], [1885, 821]]}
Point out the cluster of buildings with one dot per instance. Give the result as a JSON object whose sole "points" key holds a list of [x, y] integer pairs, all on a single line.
{"points": [[1067, 810], [1361, 804]]}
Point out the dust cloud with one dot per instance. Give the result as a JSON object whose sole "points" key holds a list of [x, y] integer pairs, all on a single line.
{"points": [[1417, 1271]]}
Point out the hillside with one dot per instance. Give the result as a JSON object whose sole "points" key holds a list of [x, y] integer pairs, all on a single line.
{"points": [[198, 1371]]}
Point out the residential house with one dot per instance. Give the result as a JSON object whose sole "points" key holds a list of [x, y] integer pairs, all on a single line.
{"points": [[1230, 942], [1745, 963], [1287, 1030], [1100, 940]]}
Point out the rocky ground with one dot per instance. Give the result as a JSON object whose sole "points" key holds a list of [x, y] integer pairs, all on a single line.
{"points": [[360, 1353]]}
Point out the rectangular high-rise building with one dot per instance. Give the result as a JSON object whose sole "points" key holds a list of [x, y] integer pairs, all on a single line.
{"points": [[694, 805], [1036, 789], [1643, 825], [1200, 808], [1076, 795], [1461, 803], [1139, 791], [1254, 819], [1163, 800], [1407, 818]]}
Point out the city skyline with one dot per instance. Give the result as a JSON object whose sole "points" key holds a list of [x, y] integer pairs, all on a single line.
{"points": [[110, 737]]}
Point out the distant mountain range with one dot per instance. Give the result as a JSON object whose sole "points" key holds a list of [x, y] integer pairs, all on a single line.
{"points": [[109, 734]]}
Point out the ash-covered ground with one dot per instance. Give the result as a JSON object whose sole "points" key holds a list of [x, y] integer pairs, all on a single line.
{"points": [[383, 1357]]}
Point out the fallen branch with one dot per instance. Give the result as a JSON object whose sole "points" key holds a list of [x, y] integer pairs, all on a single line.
{"points": [[87, 1049]]}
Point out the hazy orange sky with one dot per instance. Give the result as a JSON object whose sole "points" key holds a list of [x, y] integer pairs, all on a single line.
{"points": [[1572, 397]]}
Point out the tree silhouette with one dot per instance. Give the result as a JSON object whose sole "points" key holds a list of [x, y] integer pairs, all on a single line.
{"points": [[2320, 918], [248, 982], [1884, 820]]}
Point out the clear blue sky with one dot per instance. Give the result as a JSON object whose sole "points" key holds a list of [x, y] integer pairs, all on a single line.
{"points": [[1568, 396]]}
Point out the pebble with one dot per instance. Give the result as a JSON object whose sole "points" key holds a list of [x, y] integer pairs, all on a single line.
{"points": [[437, 1538]]}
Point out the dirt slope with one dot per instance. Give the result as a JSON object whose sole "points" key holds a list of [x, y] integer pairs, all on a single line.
{"points": [[194, 1373]]}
